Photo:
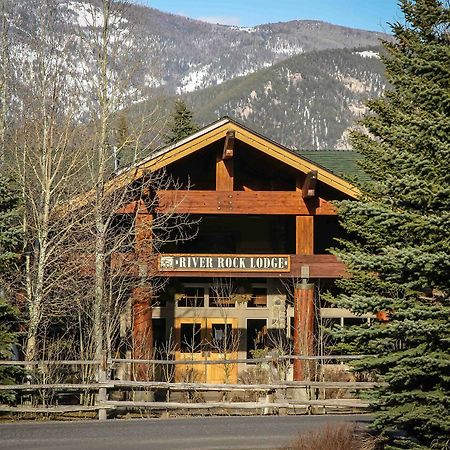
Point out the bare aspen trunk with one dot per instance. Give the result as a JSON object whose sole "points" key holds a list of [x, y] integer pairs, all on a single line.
{"points": [[99, 289], [101, 224], [47, 165], [4, 76]]}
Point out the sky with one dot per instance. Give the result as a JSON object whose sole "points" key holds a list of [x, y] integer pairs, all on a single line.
{"points": [[365, 14]]}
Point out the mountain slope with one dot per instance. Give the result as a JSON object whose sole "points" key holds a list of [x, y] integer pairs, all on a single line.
{"points": [[183, 54], [308, 101]]}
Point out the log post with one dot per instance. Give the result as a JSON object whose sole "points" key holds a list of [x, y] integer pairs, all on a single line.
{"points": [[303, 327], [142, 330], [304, 291], [142, 296]]}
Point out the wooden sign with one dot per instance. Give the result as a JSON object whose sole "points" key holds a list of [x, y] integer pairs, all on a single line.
{"points": [[227, 263]]}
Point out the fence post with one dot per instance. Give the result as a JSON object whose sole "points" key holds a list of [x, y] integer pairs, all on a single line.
{"points": [[102, 393], [269, 399]]}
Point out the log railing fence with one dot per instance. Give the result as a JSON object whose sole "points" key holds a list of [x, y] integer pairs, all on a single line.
{"points": [[266, 404]]}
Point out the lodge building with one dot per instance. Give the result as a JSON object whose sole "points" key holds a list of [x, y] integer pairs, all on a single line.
{"points": [[264, 221]]}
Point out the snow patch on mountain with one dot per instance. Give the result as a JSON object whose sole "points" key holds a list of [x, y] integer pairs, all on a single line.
{"points": [[195, 79], [245, 29], [281, 47], [368, 54], [84, 15]]}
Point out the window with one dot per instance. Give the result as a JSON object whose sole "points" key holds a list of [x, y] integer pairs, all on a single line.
{"points": [[190, 337], [218, 300], [192, 297], [159, 301], [259, 298], [159, 333], [221, 337], [350, 321], [256, 336]]}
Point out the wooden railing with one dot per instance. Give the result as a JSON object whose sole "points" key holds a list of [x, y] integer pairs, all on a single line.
{"points": [[266, 404]]}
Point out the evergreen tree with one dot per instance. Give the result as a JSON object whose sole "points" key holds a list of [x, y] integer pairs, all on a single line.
{"points": [[9, 333], [122, 154], [398, 244], [182, 124], [9, 323]]}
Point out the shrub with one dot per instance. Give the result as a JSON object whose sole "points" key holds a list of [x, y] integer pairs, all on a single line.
{"points": [[336, 437]]}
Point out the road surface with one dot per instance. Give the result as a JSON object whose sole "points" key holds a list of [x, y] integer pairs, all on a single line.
{"points": [[213, 433]]}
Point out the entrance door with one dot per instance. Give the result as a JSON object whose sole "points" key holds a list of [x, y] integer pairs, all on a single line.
{"points": [[190, 333], [206, 339], [223, 343]]}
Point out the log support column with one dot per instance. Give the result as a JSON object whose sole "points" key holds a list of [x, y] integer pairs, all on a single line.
{"points": [[142, 331], [142, 297], [304, 290], [303, 328]]}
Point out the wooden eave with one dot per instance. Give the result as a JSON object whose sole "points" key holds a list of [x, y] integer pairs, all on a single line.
{"points": [[209, 135], [218, 130]]}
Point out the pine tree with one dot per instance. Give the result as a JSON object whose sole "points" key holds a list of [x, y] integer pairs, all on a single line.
{"points": [[182, 124], [9, 333], [9, 323], [122, 151], [398, 235]]}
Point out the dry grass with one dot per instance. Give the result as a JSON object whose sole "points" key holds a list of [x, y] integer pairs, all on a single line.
{"points": [[253, 375], [336, 437], [337, 373]]}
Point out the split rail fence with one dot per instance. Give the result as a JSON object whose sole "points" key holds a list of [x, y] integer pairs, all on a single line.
{"points": [[265, 404]]}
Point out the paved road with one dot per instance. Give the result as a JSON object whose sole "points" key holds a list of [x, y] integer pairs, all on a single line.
{"points": [[271, 432]]}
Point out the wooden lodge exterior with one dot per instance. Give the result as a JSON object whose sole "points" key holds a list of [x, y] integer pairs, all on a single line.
{"points": [[265, 221]]}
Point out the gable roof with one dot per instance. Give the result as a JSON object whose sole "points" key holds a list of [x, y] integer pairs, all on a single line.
{"points": [[343, 163], [218, 130]]}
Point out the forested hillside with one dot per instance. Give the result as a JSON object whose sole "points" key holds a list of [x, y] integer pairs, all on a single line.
{"points": [[308, 101]]}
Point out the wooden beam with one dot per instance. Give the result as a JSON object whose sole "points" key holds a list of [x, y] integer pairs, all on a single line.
{"points": [[144, 235], [178, 151], [242, 202], [134, 207], [224, 173], [309, 185], [228, 148], [304, 236]]}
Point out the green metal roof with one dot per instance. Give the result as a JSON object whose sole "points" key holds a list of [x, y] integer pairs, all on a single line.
{"points": [[340, 162]]}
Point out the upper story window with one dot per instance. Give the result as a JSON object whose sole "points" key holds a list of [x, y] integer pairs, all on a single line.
{"points": [[192, 297], [219, 299], [258, 298]]}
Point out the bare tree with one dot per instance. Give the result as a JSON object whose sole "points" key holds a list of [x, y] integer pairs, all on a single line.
{"points": [[4, 73], [109, 37], [79, 255], [47, 165], [225, 341]]}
